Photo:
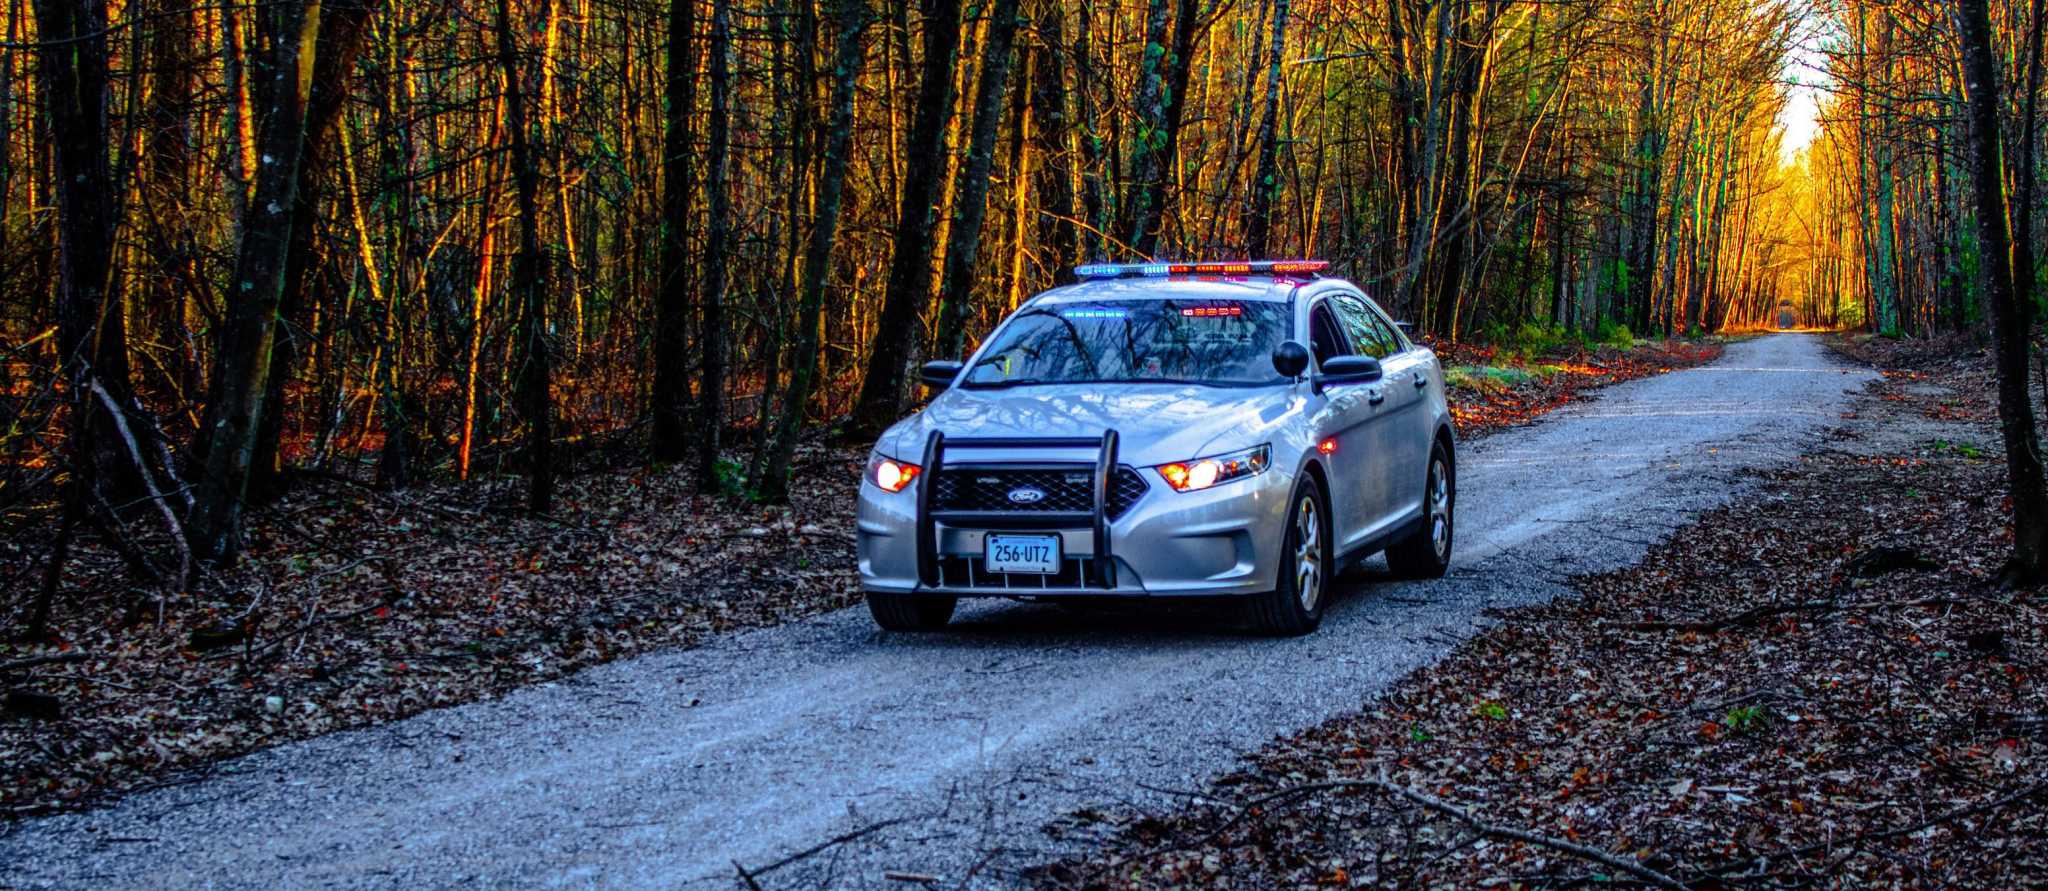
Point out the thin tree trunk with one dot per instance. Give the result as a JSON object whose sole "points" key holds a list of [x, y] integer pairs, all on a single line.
{"points": [[710, 418], [846, 65], [670, 396], [910, 278], [1058, 232], [1266, 182], [91, 334], [341, 30], [971, 208], [289, 33], [2005, 296], [530, 283]]}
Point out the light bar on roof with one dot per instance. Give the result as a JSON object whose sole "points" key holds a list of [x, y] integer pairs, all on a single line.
{"points": [[1242, 267]]}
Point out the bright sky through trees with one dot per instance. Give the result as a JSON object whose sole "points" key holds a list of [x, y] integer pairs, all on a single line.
{"points": [[1805, 76]]}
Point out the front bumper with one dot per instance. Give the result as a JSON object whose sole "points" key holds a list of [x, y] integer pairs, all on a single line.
{"points": [[1221, 541]]}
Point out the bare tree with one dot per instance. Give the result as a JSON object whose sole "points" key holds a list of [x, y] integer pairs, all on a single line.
{"points": [[2005, 296], [970, 209], [288, 31], [910, 276]]}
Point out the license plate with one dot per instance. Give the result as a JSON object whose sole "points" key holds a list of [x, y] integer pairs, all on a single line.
{"points": [[1022, 553]]}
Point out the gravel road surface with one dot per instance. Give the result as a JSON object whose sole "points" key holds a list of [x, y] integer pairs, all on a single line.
{"points": [[962, 755]]}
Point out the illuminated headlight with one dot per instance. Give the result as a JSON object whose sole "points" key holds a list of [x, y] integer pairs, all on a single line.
{"points": [[890, 474], [1201, 473]]}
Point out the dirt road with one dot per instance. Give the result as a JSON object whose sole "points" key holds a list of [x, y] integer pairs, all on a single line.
{"points": [[945, 754]]}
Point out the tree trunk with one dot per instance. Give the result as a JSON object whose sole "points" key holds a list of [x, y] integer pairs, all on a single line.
{"points": [[2027, 187], [1266, 182], [167, 212], [971, 210], [670, 396], [530, 284], [846, 64], [910, 274], [1149, 151], [710, 418], [2004, 296], [341, 31], [92, 342], [288, 34], [1058, 232]]}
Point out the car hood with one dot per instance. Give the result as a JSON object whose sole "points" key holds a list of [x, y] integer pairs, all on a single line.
{"points": [[1155, 423]]}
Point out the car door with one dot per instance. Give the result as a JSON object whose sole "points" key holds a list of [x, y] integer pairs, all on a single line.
{"points": [[1379, 468], [1347, 428], [1404, 430]]}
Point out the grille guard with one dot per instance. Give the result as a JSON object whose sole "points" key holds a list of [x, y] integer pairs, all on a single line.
{"points": [[1102, 569]]}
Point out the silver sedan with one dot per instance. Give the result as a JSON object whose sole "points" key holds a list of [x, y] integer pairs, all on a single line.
{"points": [[1238, 430]]}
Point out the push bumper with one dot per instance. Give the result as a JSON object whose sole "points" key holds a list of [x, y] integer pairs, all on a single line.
{"points": [[1216, 542]]}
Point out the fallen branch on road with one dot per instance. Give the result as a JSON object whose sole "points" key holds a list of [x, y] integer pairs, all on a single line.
{"points": [[748, 876]]}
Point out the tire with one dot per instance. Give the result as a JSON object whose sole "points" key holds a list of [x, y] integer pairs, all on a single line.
{"points": [[911, 612], [1426, 552], [1295, 605]]}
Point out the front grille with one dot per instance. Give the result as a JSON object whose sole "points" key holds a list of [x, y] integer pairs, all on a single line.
{"points": [[1066, 490]]}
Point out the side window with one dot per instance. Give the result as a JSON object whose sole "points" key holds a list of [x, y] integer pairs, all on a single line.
{"points": [[1326, 339], [1388, 335], [1372, 337], [1394, 334]]}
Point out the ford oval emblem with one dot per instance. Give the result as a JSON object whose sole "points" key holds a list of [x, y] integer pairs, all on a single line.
{"points": [[1027, 495]]}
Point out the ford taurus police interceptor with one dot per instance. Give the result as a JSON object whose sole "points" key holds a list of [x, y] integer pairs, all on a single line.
{"points": [[1239, 430]]}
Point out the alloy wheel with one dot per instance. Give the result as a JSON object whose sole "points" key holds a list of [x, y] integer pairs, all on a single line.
{"points": [[1439, 509], [1308, 554]]}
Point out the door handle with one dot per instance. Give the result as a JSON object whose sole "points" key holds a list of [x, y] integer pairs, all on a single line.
{"points": [[1421, 380], [1375, 396]]}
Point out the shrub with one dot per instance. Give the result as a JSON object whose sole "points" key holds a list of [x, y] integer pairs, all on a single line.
{"points": [[1614, 334]]}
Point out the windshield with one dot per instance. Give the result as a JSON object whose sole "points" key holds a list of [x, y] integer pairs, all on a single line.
{"points": [[1210, 342]]}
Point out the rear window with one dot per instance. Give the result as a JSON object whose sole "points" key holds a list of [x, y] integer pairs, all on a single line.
{"points": [[1207, 342]]}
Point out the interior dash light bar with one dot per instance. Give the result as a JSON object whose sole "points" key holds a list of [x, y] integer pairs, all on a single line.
{"points": [[1154, 270]]}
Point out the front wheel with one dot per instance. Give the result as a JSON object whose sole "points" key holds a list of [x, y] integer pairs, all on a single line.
{"points": [[1295, 605], [911, 612], [1426, 552]]}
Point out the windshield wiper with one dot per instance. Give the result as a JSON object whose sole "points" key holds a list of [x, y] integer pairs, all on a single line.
{"points": [[1003, 384]]}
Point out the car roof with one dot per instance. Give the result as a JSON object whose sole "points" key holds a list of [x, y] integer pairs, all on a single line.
{"points": [[1188, 287]]}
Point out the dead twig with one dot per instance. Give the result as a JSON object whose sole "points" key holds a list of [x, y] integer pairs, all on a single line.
{"points": [[45, 659], [142, 468], [1982, 807], [827, 844], [1757, 614]]}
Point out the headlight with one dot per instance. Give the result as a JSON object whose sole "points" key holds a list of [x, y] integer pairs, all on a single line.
{"points": [[890, 474], [1201, 473]]}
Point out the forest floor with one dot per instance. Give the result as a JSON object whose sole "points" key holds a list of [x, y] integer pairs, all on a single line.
{"points": [[1817, 684], [355, 607], [1492, 388]]}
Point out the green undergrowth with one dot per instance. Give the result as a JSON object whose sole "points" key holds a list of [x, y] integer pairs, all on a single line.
{"points": [[1517, 343], [1493, 378]]}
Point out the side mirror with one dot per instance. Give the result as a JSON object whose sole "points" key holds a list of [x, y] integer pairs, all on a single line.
{"points": [[1290, 359], [1351, 370], [1407, 328], [940, 375]]}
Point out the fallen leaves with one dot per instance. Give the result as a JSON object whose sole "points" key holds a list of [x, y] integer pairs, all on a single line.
{"points": [[1490, 392], [1797, 689], [356, 607]]}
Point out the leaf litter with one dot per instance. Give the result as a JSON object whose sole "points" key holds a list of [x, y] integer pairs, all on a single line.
{"points": [[1819, 684], [354, 607]]}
